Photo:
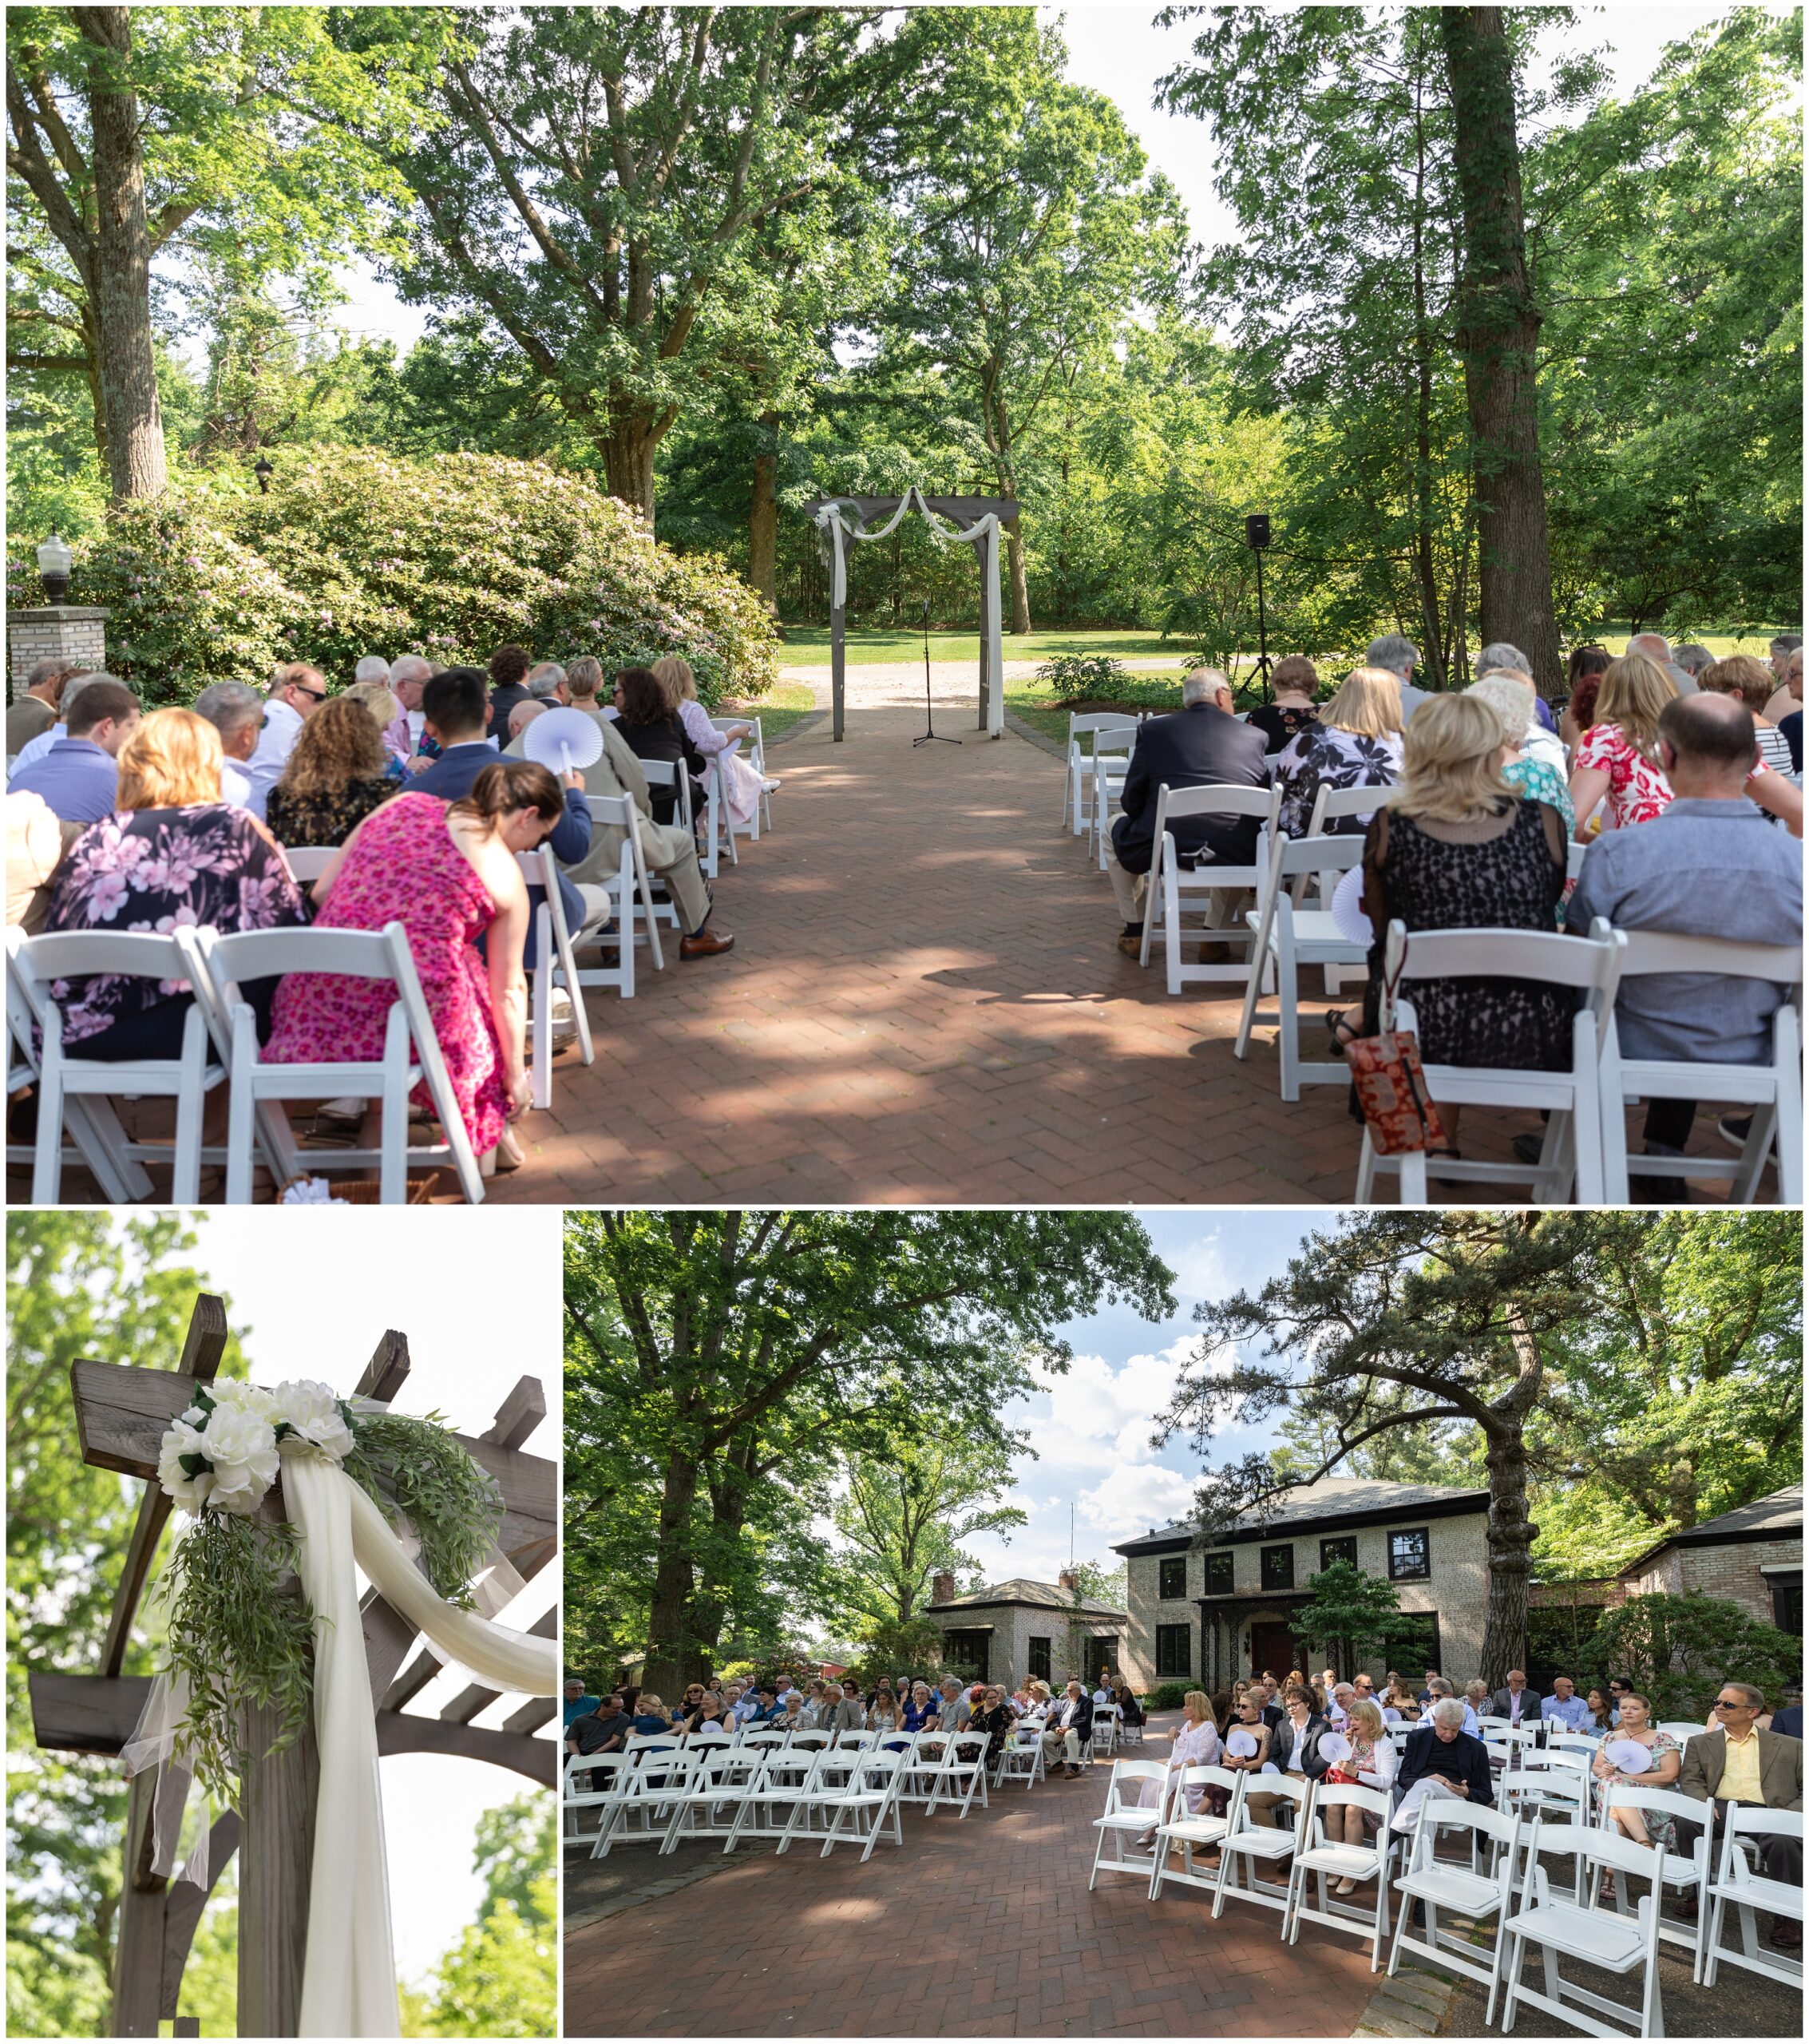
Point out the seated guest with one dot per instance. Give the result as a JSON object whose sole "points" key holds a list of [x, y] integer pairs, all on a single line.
{"points": [[578, 1703], [1294, 1749], [79, 776], [1339, 1698], [1456, 849], [792, 1716], [1739, 1763], [1130, 1711], [1438, 1688], [404, 737], [1533, 761], [1504, 658], [237, 713], [993, 1716], [922, 1709], [1643, 1827], [1564, 1707], [519, 717], [1476, 1695], [34, 850], [1246, 1715], [1399, 1705], [1354, 744], [848, 1713], [1295, 681], [1070, 1731], [448, 874], [1707, 867], [1695, 659], [651, 1714], [33, 712], [172, 852], [46, 735], [583, 683], [333, 779], [650, 728], [372, 668], [1202, 745], [1372, 1765], [1578, 713], [545, 685], [882, 1715], [1195, 1744], [744, 784], [296, 691], [453, 706], [1617, 759], [604, 1731], [1517, 1703], [1601, 1714], [1789, 696], [1749, 681], [508, 676], [1442, 1758], [1400, 657]]}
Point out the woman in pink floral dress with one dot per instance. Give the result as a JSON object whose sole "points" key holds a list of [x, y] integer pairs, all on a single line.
{"points": [[1617, 756], [448, 874]]}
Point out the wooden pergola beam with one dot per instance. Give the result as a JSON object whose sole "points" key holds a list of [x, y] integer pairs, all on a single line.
{"points": [[387, 1371], [538, 1759]]}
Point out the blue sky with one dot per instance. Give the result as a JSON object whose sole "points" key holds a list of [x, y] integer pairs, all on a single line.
{"points": [[1091, 1428]]}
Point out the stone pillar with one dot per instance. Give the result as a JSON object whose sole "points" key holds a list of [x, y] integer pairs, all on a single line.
{"points": [[68, 632]]}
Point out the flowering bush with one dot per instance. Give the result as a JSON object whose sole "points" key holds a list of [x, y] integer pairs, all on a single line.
{"points": [[356, 551]]}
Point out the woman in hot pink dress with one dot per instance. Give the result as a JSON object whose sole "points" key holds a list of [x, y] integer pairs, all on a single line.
{"points": [[447, 873]]}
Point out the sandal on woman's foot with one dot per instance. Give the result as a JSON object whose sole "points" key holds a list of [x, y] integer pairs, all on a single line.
{"points": [[1339, 1029]]}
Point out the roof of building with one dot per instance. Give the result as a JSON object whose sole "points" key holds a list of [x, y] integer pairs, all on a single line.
{"points": [[1333, 1500], [1778, 1517], [1020, 1590]]}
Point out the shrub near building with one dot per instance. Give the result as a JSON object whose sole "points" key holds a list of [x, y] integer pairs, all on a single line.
{"points": [[354, 551]]}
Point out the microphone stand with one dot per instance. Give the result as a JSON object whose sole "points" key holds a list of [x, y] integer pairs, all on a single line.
{"points": [[931, 735]]}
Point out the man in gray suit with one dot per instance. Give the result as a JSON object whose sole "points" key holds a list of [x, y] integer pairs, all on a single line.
{"points": [[1517, 1703], [1399, 656]]}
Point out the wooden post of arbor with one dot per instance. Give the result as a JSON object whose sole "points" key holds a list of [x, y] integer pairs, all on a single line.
{"points": [[121, 1414]]}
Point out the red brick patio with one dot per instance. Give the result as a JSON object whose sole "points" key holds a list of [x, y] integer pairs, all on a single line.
{"points": [[980, 1926]]}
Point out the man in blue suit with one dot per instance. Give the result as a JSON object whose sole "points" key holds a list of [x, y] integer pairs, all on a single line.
{"points": [[456, 705]]}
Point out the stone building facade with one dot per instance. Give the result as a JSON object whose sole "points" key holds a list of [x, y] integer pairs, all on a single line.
{"points": [[66, 631], [1011, 1631], [1753, 1557], [1207, 1614]]}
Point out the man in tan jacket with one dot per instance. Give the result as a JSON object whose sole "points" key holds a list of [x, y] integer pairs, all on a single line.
{"points": [[669, 848], [1737, 1763]]}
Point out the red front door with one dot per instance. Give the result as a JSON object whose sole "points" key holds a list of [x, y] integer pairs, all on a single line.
{"points": [[1272, 1646]]}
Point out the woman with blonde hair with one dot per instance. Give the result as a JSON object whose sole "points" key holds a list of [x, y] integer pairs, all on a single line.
{"points": [[1196, 1744], [172, 852], [1617, 757], [1354, 744], [336, 776], [1371, 1766], [1457, 849], [741, 784]]}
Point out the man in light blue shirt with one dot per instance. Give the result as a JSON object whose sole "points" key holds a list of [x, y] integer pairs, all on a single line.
{"points": [[1564, 1706], [1438, 1687], [78, 775], [297, 692], [577, 1703]]}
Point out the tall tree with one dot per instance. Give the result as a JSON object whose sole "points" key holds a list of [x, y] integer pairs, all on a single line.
{"points": [[1498, 334], [714, 1361]]}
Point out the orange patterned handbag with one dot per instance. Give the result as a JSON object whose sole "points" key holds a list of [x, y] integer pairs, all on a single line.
{"points": [[1390, 1085]]}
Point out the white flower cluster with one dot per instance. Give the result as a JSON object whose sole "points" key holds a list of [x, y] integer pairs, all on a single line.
{"points": [[222, 1454]]}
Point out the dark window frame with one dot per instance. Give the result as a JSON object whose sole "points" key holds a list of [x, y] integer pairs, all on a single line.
{"points": [[1342, 1547], [1423, 1572], [1036, 1643], [1273, 1559], [1222, 1572], [1168, 1639], [1171, 1569], [1786, 1603]]}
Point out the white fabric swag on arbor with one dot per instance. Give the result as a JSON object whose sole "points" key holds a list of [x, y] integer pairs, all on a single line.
{"points": [[835, 520]]}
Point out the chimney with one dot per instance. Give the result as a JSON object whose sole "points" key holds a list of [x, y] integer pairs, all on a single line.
{"points": [[1069, 1580], [942, 1587]]}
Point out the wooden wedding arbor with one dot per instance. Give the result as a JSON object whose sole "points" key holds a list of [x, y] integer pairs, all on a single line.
{"points": [[978, 521], [121, 1413]]}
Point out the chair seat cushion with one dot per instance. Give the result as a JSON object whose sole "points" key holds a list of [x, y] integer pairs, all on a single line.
{"points": [[1758, 1893], [1259, 1847], [1586, 1934], [1452, 1889], [1355, 1862]]}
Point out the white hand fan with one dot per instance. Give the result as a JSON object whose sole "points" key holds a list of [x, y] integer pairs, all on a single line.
{"points": [[1347, 907], [563, 741], [1240, 1744], [1335, 1748], [1390, 1715], [1628, 1755]]}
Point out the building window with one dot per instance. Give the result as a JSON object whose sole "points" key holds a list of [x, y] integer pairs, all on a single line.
{"points": [[1338, 1551], [1174, 1649], [1039, 1658], [1278, 1568], [1218, 1572], [1786, 1603], [1171, 1573], [1410, 1556]]}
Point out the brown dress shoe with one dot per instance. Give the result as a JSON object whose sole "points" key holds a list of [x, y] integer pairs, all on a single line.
{"points": [[1130, 943], [707, 944]]}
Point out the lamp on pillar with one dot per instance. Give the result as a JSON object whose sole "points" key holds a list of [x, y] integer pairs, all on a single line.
{"points": [[262, 470], [54, 561]]}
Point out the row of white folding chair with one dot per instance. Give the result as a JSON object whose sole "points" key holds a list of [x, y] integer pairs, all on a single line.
{"points": [[1288, 936], [1110, 763], [755, 755], [1739, 1885], [634, 910], [1105, 1730], [1174, 887], [1077, 786], [1020, 1758], [812, 1795], [1570, 1159], [554, 966]]}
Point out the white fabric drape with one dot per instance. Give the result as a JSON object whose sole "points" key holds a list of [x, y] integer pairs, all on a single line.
{"points": [[983, 533]]}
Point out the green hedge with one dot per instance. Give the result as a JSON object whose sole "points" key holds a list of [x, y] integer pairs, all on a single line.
{"points": [[1167, 1695], [354, 551]]}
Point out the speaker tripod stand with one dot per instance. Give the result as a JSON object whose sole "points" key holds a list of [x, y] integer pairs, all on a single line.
{"points": [[932, 735]]}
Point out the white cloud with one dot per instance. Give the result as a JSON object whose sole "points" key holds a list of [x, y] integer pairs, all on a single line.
{"points": [[1200, 1270], [1135, 1497]]}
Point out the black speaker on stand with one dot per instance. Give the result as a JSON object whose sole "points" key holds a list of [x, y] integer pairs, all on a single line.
{"points": [[1257, 537]]}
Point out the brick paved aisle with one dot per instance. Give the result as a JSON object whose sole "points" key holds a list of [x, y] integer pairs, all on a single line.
{"points": [[925, 1003], [980, 1926]]}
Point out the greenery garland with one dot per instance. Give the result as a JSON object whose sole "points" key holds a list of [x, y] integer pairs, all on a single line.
{"points": [[239, 1628]]}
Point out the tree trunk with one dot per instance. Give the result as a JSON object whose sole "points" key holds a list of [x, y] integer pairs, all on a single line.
{"points": [[628, 442], [763, 524], [1510, 1561], [1020, 588], [134, 424], [667, 1618], [1498, 329], [1436, 669]]}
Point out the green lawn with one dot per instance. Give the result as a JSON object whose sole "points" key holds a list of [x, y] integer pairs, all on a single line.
{"points": [[808, 645], [783, 706]]}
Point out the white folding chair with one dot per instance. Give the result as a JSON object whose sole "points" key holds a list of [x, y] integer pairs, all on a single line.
{"points": [[963, 1771], [1125, 1820], [1020, 1759], [1178, 887], [1739, 1885], [1482, 1890], [1325, 1859], [756, 757], [308, 862], [1248, 1845], [590, 1782], [640, 1813], [1288, 937], [1077, 785], [1687, 1871], [1773, 1091], [1681, 1729], [869, 1801], [1570, 1159], [39, 965], [1111, 762], [96, 1138], [670, 774], [631, 902], [722, 1776], [554, 965], [1551, 1784], [1179, 1826], [1105, 1730], [411, 1053], [1563, 1926]]}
